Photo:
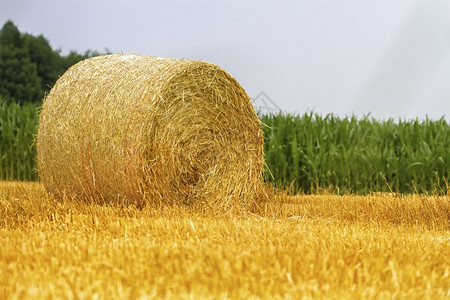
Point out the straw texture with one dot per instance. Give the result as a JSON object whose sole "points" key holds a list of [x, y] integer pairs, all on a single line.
{"points": [[140, 129]]}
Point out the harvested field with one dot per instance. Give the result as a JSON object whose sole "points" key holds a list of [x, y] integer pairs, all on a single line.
{"points": [[321, 246]]}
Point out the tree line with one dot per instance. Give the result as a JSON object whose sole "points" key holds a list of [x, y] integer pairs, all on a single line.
{"points": [[29, 67]]}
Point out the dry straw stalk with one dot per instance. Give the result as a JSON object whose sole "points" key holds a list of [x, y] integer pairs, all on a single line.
{"points": [[148, 129]]}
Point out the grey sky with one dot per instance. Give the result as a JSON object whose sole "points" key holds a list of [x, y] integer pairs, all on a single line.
{"points": [[387, 57]]}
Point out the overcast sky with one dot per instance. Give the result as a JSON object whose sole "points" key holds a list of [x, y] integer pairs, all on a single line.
{"points": [[387, 57]]}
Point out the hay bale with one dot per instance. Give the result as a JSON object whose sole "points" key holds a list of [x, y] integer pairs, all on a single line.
{"points": [[139, 128]]}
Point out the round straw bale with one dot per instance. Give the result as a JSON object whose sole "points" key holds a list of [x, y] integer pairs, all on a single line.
{"points": [[139, 128]]}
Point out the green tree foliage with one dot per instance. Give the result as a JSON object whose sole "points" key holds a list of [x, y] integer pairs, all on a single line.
{"points": [[18, 74], [29, 66], [48, 61], [10, 35]]}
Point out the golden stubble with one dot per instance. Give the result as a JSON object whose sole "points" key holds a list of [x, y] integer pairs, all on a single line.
{"points": [[308, 246]]}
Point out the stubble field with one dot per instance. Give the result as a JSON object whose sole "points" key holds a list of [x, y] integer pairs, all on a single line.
{"points": [[382, 246]]}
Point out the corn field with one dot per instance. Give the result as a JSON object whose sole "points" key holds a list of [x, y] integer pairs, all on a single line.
{"points": [[348, 155], [306, 153], [18, 126]]}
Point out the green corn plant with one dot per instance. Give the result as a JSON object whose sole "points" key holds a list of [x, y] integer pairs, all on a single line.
{"points": [[18, 126], [350, 155]]}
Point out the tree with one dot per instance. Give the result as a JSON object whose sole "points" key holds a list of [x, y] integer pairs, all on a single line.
{"points": [[29, 66], [18, 74], [46, 59], [10, 35]]}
